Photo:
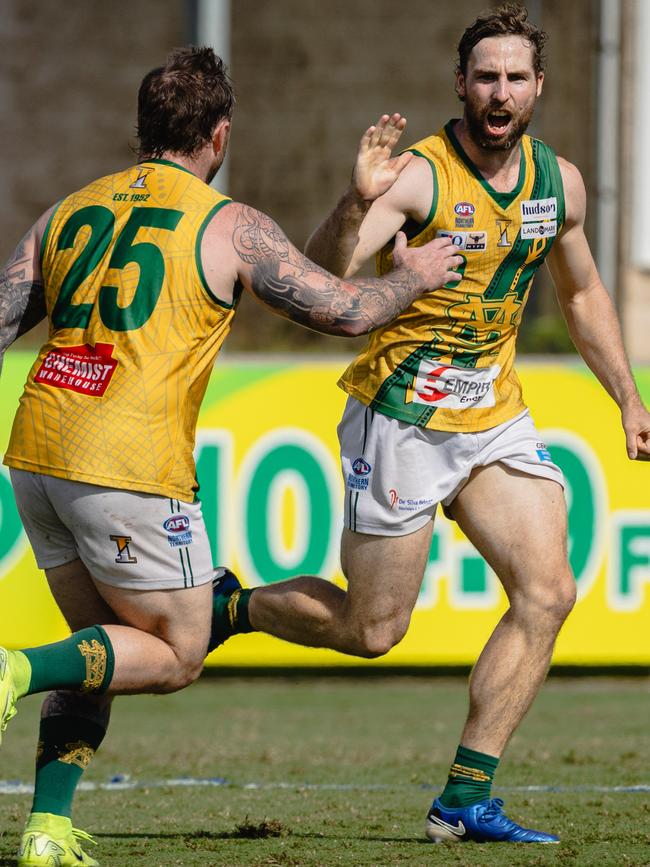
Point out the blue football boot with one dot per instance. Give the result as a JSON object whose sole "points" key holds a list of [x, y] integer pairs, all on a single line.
{"points": [[484, 822]]}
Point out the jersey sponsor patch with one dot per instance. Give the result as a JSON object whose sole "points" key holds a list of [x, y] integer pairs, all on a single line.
{"points": [[464, 215], [470, 242], [533, 210], [83, 369], [541, 229], [454, 387], [539, 218]]}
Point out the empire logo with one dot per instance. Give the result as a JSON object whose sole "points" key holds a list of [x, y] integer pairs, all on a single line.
{"points": [[123, 553], [140, 183], [502, 226]]}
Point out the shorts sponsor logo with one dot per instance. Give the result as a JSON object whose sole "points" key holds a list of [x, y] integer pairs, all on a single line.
{"points": [[359, 479], [360, 467], [178, 528], [177, 524], [454, 387], [408, 504], [83, 369], [180, 540], [123, 553], [543, 453], [533, 210], [544, 229], [471, 242]]}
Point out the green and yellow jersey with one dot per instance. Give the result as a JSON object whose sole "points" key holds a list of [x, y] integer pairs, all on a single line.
{"points": [[134, 331], [447, 361]]}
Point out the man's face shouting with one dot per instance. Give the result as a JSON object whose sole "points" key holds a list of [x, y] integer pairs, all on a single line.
{"points": [[500, 89]]}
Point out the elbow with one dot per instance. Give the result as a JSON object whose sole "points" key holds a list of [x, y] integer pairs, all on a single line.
{"points": [[356, 328]]}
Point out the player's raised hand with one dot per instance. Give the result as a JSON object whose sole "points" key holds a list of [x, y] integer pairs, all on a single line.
{"points": [[434, 263], [376, 170]]}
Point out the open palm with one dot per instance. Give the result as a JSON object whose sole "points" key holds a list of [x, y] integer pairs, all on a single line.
{"points": [[376, 170]]}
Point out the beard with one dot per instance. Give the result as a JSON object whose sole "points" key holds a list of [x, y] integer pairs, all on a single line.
{"points": [[476, 116]]}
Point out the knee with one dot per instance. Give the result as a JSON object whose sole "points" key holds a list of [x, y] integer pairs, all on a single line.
{"points": [[186, 669], [376, 639], [549, 601]]}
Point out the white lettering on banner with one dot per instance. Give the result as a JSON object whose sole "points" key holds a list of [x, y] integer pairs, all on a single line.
{"points": [[533, 210], [455, 387], [543, 229]]}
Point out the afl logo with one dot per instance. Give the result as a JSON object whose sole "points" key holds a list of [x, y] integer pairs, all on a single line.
{"points": [[464, 209], [177, 524], [361, 467]]}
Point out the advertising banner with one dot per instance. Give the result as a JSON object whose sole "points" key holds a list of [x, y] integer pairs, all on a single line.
{"points": [[272, 494]]}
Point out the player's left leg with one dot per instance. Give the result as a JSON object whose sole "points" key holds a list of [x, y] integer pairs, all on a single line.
{"points": [[72, 727], [518, 523]]}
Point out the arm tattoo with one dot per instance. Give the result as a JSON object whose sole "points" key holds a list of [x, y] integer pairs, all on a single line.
{"points": [[295, 287], [22, 300]]}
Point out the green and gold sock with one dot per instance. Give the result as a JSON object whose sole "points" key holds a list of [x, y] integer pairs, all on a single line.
{"points": [[470, 778], [84, 662], [229, 614], [66, 747]]}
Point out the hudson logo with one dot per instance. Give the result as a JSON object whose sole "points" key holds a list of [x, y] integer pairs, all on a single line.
{"points": [[123, 553], [361, 467], [539, 209], [464, 209], [177, 524]]}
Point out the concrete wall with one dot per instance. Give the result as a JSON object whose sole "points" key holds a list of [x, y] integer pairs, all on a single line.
{"points": [[310, 76]]}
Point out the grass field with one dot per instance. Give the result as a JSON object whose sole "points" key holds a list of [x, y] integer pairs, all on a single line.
{"points": [[330, 771]]}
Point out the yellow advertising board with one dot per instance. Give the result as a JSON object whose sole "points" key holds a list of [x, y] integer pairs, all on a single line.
{"points": [[272, 493]]}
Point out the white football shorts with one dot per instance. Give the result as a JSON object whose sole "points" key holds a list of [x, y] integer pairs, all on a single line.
{"points": [[396, 473], [127, 539]]}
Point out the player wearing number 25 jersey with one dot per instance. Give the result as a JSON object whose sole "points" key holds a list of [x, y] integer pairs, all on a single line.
{"points": [[139, 274], [128, 360]]}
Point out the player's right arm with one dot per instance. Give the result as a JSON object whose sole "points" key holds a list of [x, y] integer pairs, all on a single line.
{"points": [[22, 293], [383, 193], [243, 244]]}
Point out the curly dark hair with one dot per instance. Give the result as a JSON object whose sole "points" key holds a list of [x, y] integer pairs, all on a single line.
{"points": [[511, 19], [180, 103]]}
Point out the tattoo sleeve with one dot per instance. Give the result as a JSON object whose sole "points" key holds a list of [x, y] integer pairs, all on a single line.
{"points": [[22, 295], [285, 280]]}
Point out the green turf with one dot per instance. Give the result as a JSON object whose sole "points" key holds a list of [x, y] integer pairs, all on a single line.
{"points": [[399, 734]]}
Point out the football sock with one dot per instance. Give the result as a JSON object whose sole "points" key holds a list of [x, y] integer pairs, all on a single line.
{"points": [[229, 616], [470, 778], [84, 661], [66, 747]]}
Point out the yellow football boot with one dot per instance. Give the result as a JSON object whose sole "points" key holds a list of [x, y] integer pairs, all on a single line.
{"points": [[51, 841]]}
